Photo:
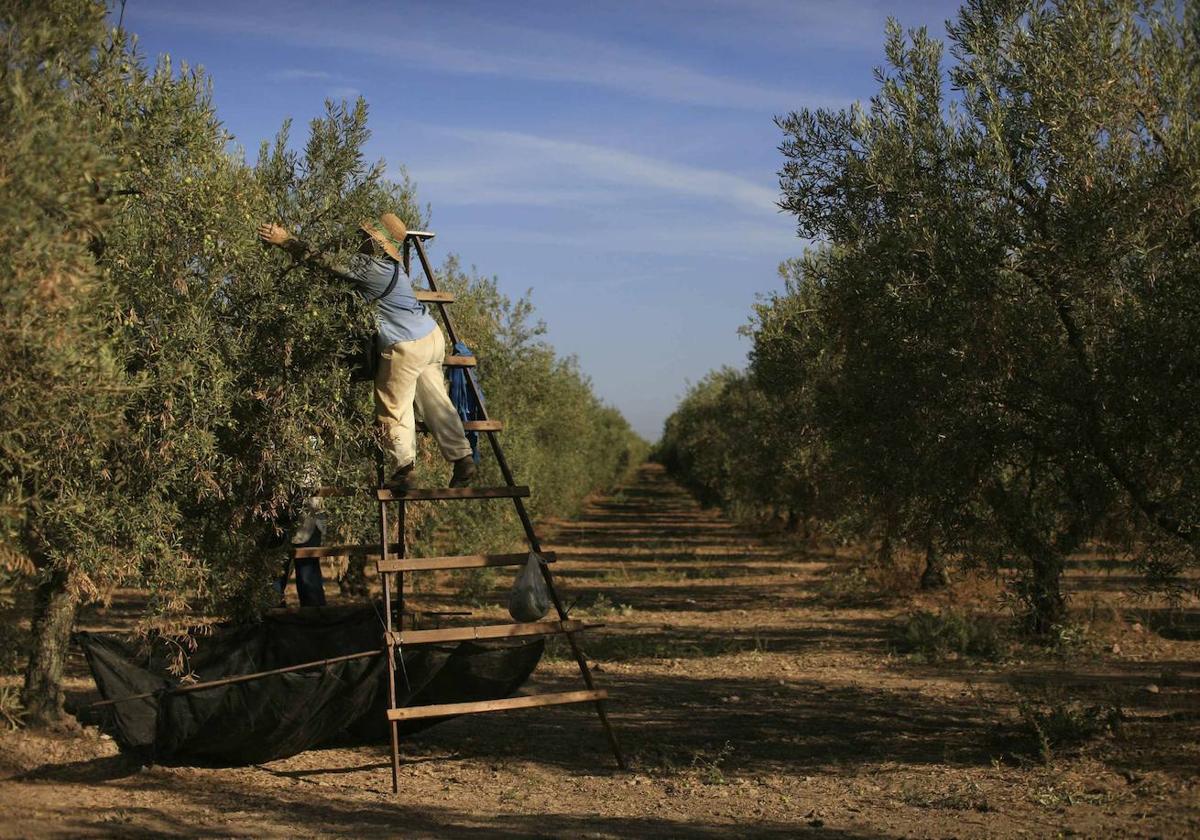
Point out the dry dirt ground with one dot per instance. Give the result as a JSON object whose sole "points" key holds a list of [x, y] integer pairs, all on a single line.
{"points": [[750, 699]]}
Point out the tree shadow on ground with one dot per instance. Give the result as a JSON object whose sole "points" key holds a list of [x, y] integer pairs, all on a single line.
{"points": [[678, 569], [790, 726], [1156, 703], [689, 713], [104, 769], [632, 642], [1172, 622], [702, 595], [336, 814], [801, 725]]}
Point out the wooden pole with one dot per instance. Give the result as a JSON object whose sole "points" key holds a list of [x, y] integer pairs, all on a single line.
{"points": [[521, 701], [240, 678], [401, 553], [477, 393], [526, 523], [584, 670], [388, 650], [383, 554], [391, 658]]}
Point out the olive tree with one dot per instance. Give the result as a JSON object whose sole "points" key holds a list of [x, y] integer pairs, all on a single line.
{"points": [[66, 389], [173, 390], [1001, 278]]}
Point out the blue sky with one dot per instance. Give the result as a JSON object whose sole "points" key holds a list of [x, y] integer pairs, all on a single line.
{"points": [[617, 158]]}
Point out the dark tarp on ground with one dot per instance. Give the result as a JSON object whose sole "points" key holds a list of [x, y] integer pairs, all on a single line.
{"points": [[451, 674], [283, 714]]}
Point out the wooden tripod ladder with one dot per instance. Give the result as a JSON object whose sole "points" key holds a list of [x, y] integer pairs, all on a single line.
{"points": [[394, 564]]}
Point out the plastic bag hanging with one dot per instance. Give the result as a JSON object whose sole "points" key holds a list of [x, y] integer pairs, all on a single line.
{"points": [[530, 597]]}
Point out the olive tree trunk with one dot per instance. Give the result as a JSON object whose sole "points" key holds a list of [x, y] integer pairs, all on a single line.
{"points": [[54, 618], [1043, 591], [1041, 585], [935, 576]]}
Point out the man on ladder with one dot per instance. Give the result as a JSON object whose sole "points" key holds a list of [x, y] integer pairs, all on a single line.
{"points": [[409, 345]]}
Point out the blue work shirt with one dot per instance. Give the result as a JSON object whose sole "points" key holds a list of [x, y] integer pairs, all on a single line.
{"points": [[399, 316]]}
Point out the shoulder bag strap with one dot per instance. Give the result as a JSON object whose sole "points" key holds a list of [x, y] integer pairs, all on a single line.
{"points": [[390, 286]]}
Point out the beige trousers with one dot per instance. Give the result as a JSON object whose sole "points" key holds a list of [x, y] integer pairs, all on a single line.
{"points": [[411, 371]]}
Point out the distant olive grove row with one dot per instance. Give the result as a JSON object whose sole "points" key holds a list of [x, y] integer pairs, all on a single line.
{"points": [[170, 387], [991, 352]]}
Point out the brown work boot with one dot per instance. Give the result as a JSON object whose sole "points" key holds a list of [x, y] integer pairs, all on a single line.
{"points": [[404, 478], [464, 471]]}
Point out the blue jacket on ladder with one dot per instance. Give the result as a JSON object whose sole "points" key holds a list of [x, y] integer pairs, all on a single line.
{"points": [[464, 400]]}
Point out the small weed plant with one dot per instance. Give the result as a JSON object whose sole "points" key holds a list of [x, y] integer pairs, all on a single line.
{"points": [[706, 764], [961, 797], [951, 634], [602, 605], [868, 584], [1056, 723], [850, 587]]}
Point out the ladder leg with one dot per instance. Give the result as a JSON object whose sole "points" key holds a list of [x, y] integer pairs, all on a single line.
{"points": [[392, 725], [535, 545], [523, 515], [506, 471], [401, 519], [584, 671], [386, 578], [388, 649]]}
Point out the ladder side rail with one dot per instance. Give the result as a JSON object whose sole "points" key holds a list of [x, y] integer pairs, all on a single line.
{"points": [[391, 658], [384, 555], [526, 523], [390, 651], [475, 389], [401, 553], [523, 515], [472, 382], [429, 281], [584, 670]]}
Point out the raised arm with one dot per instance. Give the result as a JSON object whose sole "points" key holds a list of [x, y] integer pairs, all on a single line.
{"points": [[280, 237]]}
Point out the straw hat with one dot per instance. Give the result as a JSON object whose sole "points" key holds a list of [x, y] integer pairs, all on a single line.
{"points": [[389, 234]]}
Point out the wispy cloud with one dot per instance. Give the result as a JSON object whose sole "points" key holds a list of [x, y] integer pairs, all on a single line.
{"points": [[496, 49], [585, 197], [332, 85], [460, 193], [506, 159], [687, 238]]}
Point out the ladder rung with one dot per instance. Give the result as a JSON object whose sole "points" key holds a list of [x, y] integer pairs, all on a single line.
{"points": [[426, 296], [473, 426], [527, 701], [485, 631], [460, 361], [387, 494], [422, 234], [465, 561], [352, 550]]}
